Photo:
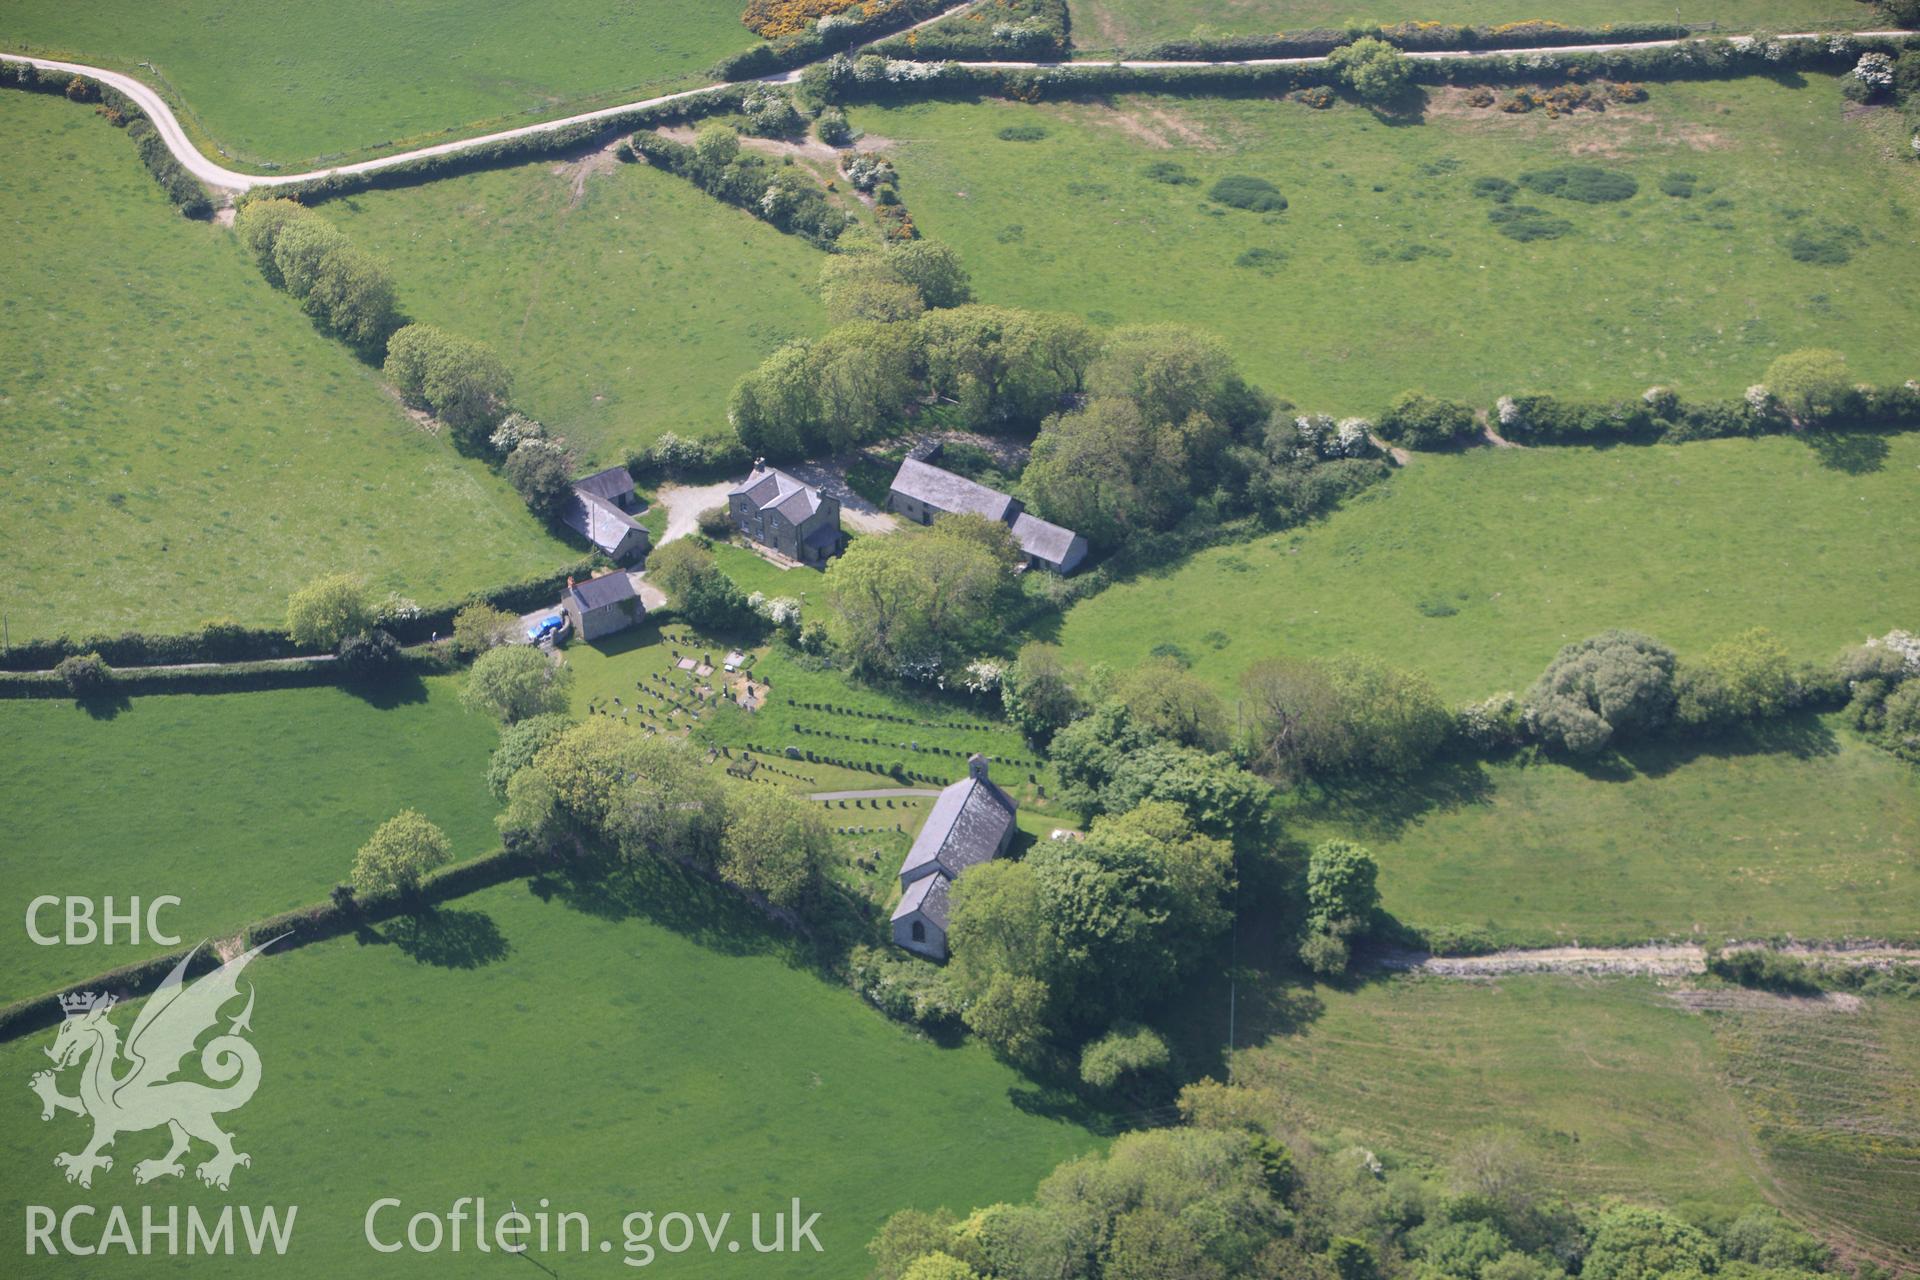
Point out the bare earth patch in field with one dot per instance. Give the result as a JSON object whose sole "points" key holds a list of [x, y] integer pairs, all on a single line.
{"points": [[1149, 123], [596, 163], [1615, 133]]}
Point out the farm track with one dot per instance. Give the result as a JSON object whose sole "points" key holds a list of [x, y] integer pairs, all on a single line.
{"points": [[217, 175], [1678, 960]]}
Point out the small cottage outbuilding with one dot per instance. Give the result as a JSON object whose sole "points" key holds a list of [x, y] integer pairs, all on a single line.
{"points": [[603, 605], [601, 511]]}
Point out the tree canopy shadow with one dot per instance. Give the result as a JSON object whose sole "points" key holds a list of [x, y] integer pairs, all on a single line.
{"points": [[104, 705], [1802, 735], [700, 908], [1057, 1102], [1383, 808], [1855, 453], [611, 888], [394, 689], [1408, 108], [449, 938]]}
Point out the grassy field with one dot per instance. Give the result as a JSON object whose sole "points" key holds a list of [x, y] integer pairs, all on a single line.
{"points": [[1385, 272], [1475, 568], [176, 442], [283, 81], [1818, 836], [1618, 1089], [626, 302], [1834, 1104], [1614, 1089], [239, 804], [647, 1049], [1115, 23]]}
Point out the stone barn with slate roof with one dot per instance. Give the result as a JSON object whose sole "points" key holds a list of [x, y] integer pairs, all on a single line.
{"points": [[775, 510], [603, 605], [601, 512], [972, 822], [1048, 545], [921, 491]]}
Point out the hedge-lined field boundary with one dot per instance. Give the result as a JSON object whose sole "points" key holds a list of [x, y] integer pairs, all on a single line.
{"points": [[229, 642], [872, 80], [1410, 36], [511, 151], [834, 78], [188, 196], [785, 53], [316, 922]]}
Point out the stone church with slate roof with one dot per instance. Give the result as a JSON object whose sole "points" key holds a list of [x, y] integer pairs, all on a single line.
{"points": [[972, 822]]}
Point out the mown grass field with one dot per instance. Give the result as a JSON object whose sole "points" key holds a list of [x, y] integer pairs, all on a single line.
{"points": [[1475, 568], [1385, 272], [283, 81], [651, 1049], [1108, 23], [626, 301], [1617, 1089], [176, 442], [240, 805], [1612, 1088], [1806, 830], [1834, 1104]]}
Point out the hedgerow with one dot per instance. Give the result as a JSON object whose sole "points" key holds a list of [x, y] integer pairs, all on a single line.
{"points": [[782, 195], [181, 187], [1028, 30], [313, 923], [504, 152], [1408, 35], [229, 642], [1660, 415], [835, 31]]}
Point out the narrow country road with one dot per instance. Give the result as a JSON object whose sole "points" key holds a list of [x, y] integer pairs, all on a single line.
{"points": [[218, 175]]}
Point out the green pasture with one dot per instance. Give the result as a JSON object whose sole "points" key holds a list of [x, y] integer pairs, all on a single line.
{"points": [[1118, 23], [239, 804], [1834, 1106], [1802, 830], [1613, 1089], [1708, 1101], [637, 1046], [176, 442], [1476, 567], [1385, 272], [303, 84], [625, 301]]}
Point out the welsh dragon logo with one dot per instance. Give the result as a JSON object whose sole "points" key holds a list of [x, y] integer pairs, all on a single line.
{"points": [[143, 1093]]}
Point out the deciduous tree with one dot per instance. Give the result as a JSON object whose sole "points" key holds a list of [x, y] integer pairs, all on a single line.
{"points": [[516, 681], [402, 850], [327, 610]]}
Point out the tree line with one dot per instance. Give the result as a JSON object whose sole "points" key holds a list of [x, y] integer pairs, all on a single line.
{"points": [[1236, 1190]]}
